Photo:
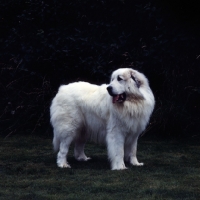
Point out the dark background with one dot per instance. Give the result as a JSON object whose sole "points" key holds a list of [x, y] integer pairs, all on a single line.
{"points": [[44, 44]]}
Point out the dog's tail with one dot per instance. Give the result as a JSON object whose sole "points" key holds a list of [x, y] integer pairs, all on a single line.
{"points": [[56, 143]]}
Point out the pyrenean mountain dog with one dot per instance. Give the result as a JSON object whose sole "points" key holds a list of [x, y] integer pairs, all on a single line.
{"points": [[115, 114]]}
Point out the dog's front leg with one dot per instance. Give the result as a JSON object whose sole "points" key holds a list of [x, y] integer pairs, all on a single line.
{"points": [[131, 151], [115, 147]]}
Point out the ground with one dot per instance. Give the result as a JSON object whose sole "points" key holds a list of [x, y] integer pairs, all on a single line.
{"points": [[28, 171]]}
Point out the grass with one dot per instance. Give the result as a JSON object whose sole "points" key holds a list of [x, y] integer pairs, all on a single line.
{"points": [[28, 171]]}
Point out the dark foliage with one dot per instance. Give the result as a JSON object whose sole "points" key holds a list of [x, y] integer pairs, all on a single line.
{"points": [[48, 43]]}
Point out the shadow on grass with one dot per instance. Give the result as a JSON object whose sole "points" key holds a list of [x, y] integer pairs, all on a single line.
{"points": [[28, 170], [96, 163]]}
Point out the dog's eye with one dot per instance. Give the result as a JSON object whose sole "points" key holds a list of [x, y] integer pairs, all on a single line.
{"points": [[119, 79]]}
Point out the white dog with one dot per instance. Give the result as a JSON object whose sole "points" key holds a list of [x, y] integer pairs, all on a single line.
{"points": [[115, 114]]}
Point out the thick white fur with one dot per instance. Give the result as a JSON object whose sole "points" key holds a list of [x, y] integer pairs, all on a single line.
{"points": [[81, 111]]}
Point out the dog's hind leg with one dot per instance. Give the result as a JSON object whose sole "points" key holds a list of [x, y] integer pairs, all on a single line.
{"points": [[79, 148], [63, 151]]}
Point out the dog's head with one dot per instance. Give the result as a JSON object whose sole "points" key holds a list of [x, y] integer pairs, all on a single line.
{"points": [[126, 85]]}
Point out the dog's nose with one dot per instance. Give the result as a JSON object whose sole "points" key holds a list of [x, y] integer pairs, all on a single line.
{"points": [[109, 88]]}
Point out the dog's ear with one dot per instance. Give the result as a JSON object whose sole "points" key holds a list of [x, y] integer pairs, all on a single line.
{"points": [[135, 79]]}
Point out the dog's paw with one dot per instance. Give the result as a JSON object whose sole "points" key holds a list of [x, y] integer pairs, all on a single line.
{"points": [[83, 158], [138, 164], [122, 168], [88, 158], [64, 165], [119, 166]]}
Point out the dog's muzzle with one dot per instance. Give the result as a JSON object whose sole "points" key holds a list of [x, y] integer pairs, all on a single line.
{"points": [[119, 98]]}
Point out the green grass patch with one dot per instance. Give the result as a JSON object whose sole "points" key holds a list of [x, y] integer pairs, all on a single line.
{"points": [[28, 171]]}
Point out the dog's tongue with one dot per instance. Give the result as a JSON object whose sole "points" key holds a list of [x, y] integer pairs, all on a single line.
{"points": [[115, 98]]}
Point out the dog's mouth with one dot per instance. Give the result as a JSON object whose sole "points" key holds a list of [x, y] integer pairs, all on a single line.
{"points": [[120, 98]]}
